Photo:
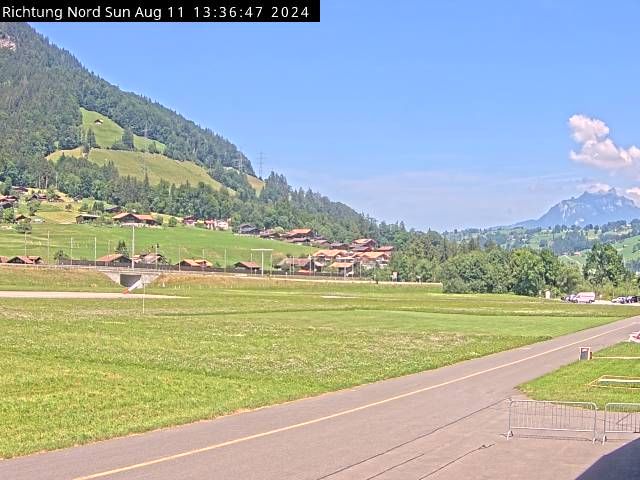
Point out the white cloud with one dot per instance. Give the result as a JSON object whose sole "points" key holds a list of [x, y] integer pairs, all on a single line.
{"points": [[596, 187], [596, 147], [633, 194]]}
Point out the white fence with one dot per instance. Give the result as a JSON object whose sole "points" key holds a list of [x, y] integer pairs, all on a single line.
{"points": [[621, 418], [553, 416]]}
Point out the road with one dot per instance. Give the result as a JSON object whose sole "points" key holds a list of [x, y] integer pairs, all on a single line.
{"points": [[78, 295], [444, 423]]}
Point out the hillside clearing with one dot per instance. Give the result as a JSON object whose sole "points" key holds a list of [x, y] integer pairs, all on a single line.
{"points": [[108, 132]]}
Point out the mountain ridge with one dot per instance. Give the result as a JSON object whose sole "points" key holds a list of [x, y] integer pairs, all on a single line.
{"points": [[595, 208]]}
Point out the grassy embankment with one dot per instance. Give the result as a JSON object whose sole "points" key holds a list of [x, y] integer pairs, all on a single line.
{"points": [[79, 371], [576, 382]]}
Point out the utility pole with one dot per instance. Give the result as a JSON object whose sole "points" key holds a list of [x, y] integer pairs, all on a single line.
{"points": [[71, 251], [25, 243], [133, 243], [48, 248], [95, 251], [225, 260]]}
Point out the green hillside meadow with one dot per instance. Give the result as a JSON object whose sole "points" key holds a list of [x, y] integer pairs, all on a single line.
{"points": [[156, 166], [174, 243], [109, 132]]}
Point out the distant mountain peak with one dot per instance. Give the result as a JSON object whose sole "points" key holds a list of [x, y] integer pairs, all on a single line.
{"points": [[597, 208]]}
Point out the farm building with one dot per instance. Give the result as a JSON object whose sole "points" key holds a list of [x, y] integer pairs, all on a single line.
{"points": [[86, 218], [251, 267], [195, 263], [153, 259], [26, 260], [248, 229], [126, 218], [114, 259], [112, 210]]}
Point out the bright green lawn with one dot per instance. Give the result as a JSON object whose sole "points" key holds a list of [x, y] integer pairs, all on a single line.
{"points": [[78, 371], [572, 383], [190, 241]]}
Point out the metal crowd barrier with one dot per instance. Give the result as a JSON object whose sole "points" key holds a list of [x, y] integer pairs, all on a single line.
{"points": [[553, 416], [621, 418]]}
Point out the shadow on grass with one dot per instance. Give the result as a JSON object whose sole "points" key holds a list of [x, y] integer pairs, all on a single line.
{"points": [[622, 463]]}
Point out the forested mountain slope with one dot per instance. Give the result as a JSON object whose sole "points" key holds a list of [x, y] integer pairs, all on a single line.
{"points": [[43, 88]]}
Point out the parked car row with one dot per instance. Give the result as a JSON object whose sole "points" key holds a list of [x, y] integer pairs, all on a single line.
{"points": [[627, 299], [582, 297]]}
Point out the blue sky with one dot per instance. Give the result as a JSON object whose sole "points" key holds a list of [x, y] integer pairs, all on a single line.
{"points": [[442, 114]]}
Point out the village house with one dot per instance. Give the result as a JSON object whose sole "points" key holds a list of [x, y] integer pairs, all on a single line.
{"points": [[112, 210], [385, 248], [374, 259], [214, 224], [270, 233], [134, 219], [86, 218], [114, 259], [343, 268], [26, 260], [248, 229], [301, 265], [363, 243], [339, 246], [20, 218], [153, 259], [195, 263], [328, 255], [302, 235], [250, 267]]}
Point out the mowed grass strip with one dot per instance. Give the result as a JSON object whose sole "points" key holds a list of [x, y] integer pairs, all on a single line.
{"points": [[79, 371], [576, 382]]}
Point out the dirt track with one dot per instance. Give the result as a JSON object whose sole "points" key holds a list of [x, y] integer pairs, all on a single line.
{"points": [[78, 295]]}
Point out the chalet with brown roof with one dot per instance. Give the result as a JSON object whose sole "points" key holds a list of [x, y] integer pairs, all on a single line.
{"points": [[195, 263], [20, 217], [248, 229], [299, 233], [328, 255], [113, 209], [251, 267], [3, 259], [385, 248], [26, 260], [339, 246], [153, 259], [342, 268], [114, 258], [126, 218], [364, 243], [86, 218]]}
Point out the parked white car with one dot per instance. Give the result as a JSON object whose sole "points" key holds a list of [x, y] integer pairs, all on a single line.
{"points": [[585, 297]]}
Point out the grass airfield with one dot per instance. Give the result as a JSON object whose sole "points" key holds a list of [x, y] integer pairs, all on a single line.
{"points": [[76, 371]]}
